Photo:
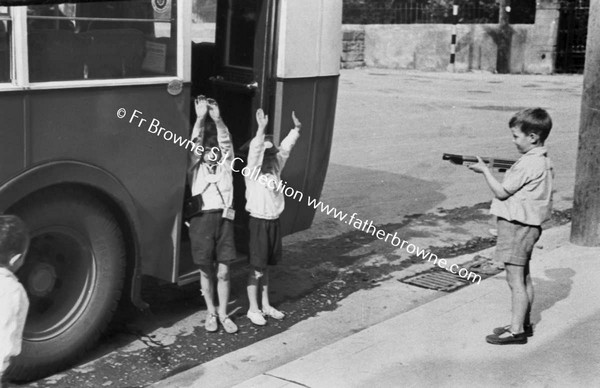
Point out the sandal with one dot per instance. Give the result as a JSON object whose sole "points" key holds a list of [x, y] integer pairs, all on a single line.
{"points": [[507, 338], [228, 324], [257, 318], [211, 323], [528, 329], [273, 313]]}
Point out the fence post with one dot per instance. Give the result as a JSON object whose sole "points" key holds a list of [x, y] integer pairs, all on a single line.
{"points": [[453, 40], [504, 38]]}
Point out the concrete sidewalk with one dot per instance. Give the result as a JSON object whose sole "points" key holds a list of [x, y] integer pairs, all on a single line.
{"points": [[442, 343]]}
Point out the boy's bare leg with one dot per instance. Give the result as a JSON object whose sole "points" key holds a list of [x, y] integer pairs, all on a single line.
{"points": [[267, 309], [254, 278], [530, 294], [207, 287], [265, 290], [520, 300], [223, 288]]}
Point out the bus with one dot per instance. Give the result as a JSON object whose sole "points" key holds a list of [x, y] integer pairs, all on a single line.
{"points": [[82, 83]]}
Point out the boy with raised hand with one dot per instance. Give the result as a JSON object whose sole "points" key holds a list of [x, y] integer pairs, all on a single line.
{"points": [[14, 241], [211, 230], [522, 202], [265, 203]]}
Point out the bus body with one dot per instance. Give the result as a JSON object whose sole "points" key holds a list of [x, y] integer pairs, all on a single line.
{"points": [[94, 96]]}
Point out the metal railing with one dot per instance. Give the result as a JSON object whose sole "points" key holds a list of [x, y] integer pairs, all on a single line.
{"points": [[412, 13]]}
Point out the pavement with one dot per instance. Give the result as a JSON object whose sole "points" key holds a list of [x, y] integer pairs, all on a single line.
{"points": [[442, 342]]}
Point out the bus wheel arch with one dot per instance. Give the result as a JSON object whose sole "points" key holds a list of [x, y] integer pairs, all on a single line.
{"points": [[74, 231], [96, 181]]}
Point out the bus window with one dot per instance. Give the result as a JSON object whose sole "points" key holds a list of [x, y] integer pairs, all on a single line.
{"points": [[102, 40], [241, 26], [204, 21], [5, 27], [204, 60]]}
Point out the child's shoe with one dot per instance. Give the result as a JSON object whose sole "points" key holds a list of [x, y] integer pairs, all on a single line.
{"points": [[228, 324], [257, 318], [210, 324], [527, 328], [507, 338], [273, 313]]}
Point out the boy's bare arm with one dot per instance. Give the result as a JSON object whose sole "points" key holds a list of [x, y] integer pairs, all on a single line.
{"points": [[495, 186], [257, 145], [201, 107], [289, 141], [223, 135]]}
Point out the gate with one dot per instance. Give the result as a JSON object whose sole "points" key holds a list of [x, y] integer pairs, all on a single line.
{"points": [[572, 34]]}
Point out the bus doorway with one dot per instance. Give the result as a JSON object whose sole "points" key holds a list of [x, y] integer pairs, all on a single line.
{"points": [[231, 62]]}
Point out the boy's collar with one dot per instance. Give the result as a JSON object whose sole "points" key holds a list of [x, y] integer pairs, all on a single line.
{"points": [[5, 271], [541, 150]]}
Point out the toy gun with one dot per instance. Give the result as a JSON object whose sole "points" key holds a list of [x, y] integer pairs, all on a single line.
{"points": [[465, 160]]}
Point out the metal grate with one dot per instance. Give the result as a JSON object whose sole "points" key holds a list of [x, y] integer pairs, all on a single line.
{"points": [[572, 36], [437, 280]]}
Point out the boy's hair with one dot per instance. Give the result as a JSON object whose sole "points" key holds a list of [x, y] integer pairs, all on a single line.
{"points": [[14, 238], [210, 142], [532, 120], [270, 164], [210, 128]]}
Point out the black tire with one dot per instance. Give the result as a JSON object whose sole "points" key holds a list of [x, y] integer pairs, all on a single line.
{"points": [[73, 274]]}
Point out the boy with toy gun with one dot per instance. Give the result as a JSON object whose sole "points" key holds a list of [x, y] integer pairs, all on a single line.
{"points": [[465, 160]]}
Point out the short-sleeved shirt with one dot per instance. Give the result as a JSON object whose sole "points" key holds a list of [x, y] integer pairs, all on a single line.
{"points": [[13, 312], [529, 183]]}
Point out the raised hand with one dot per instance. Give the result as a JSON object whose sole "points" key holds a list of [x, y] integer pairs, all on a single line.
{"points": [[261, 118], [213, 109], [201, 106], [297, 123]]}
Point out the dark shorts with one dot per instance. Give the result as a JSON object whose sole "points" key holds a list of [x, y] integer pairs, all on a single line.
{"points": [[516, 241], [211, 237], [265, 242]]}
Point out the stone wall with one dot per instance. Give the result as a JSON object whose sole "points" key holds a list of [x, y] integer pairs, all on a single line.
{"points": [[427, 46], [353, 42]]}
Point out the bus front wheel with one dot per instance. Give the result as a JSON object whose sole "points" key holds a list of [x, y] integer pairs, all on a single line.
{"points": [[73, 274]]}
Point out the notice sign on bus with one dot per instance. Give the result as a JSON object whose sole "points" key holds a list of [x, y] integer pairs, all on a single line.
{"points": [[155, 59]]}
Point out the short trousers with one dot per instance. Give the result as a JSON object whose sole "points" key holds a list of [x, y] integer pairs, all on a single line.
{"points": [[265, 242], [516, 241], [211, 237]]}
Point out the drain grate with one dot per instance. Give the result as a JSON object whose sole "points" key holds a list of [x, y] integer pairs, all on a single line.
{"points": [[442, 280], [437, 280]]}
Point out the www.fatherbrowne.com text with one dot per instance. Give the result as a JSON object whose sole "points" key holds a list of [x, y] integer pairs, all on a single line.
{"points": [[396, 241]]}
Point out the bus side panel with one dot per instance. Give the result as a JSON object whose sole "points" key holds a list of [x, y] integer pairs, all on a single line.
{"points": [[151, 167], [12, 135], [314, 101]]}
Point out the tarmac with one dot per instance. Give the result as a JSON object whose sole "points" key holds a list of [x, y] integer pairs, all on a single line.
{"points": [[442, 343]]}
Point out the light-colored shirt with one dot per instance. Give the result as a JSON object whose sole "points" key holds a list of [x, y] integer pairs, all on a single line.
{"points": [[13, 312], [264, 192], [529, 183], [205, 181]]}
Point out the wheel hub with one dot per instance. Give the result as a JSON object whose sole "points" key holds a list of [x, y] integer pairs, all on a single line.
{"points": [[41, 280]]}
